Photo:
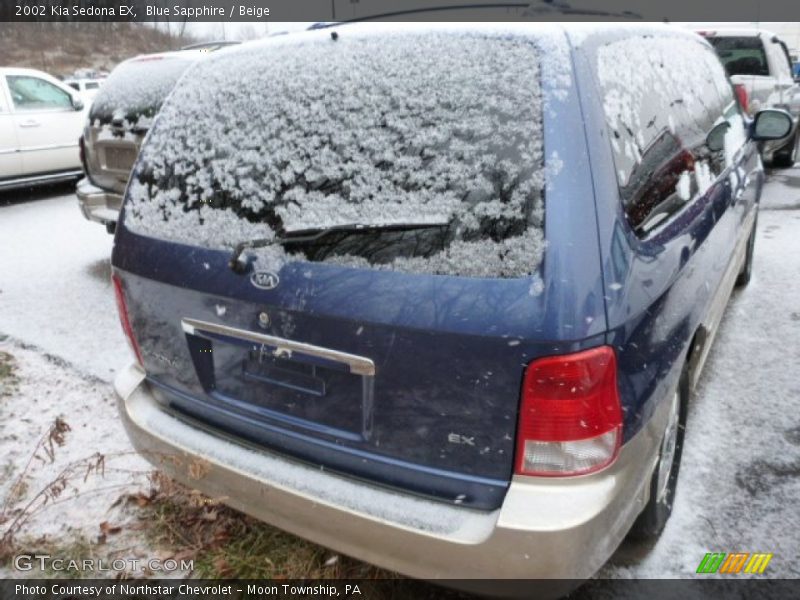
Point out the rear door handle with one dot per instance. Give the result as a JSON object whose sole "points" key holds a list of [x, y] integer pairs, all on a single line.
{"points": [[30, 123]]}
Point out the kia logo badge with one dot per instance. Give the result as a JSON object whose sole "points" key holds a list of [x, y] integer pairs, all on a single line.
{"points": [[265, 280]]}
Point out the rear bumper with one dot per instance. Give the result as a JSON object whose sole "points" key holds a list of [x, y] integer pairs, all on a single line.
{"points": [[546, 528], [97, 204]]}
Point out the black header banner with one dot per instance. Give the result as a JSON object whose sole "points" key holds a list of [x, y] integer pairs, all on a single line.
{"points": [[396, 10]]}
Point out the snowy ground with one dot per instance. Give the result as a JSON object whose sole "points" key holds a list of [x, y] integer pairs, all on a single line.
{"points": [[740, 479]]}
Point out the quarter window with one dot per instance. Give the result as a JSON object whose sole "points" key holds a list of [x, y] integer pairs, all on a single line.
{"points": [[32, 93], [672, 120]]}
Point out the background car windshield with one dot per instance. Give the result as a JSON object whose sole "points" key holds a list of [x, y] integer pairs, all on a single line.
{"points": [[378, 130]]}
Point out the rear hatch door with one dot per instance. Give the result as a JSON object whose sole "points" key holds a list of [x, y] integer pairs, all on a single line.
{"points": [[381, 324]]}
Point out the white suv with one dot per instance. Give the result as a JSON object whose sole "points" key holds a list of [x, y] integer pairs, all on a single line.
{"points": [[41, 120]]}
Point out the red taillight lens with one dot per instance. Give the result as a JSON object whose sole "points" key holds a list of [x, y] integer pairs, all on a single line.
{"points": [[82, 147], [122, 308], [741, 96], [570, 420]]}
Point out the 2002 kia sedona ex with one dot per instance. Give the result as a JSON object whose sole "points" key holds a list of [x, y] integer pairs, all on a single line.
{"points": [[436, 296]]}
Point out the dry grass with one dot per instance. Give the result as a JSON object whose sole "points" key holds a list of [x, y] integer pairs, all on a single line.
{"points": [[8, 376], [226, 543]]}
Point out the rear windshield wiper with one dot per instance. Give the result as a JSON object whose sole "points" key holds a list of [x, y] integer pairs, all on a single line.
{"points": [[239, 265]]}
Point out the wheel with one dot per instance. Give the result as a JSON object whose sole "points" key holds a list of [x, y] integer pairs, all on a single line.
{"points": [[664, 480], [747, 268], [786, 157]]}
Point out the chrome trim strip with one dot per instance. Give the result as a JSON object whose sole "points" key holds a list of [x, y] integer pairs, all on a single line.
{"points": [[37, 148], [359, 365], [4, 183], [49, 147]]}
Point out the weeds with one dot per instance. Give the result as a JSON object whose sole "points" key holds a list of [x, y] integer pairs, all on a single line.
{"points": [[16, 512], [225, 543], [8, 375]]}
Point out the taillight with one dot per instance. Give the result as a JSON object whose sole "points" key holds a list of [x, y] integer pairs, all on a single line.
{"points": [[82, 147], [570, 420], [124, 319], [741, 96]]}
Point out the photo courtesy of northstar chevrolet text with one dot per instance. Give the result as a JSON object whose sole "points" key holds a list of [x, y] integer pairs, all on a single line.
{"points": [[377, 300]]}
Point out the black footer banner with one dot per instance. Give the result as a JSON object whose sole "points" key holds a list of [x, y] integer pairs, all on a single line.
{"points": [[396, 589]]}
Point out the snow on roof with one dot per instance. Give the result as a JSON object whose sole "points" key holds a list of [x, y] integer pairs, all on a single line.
{"points": [[138, 86]]}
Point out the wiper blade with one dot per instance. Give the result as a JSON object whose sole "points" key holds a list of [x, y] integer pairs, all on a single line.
{"points": [[300, 236]]}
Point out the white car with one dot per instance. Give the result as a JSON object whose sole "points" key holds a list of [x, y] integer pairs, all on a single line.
{"points": [[41, 120], [87, 88]]}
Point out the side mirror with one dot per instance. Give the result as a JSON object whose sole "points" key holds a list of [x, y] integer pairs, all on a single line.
{"points": [[77, 103], [770, 124], [715, 140]]}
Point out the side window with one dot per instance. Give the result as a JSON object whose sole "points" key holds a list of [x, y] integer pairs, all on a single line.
{"points": [[92, 85], [32, 93], [673, 123]]}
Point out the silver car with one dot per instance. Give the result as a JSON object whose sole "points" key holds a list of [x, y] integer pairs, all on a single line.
{"points": [[120, 117]]}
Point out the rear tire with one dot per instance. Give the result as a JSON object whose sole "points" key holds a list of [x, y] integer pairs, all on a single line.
{"points": [[786, 157], [664, 482], [747, 268]]}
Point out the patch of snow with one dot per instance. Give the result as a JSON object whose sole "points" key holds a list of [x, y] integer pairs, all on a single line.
{"points": [[137, 87], [684, 187], [48, 388], [69, 257], [537, 286]]}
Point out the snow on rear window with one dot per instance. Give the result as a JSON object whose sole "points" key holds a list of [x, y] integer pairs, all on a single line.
{"points": [[407, 128]]}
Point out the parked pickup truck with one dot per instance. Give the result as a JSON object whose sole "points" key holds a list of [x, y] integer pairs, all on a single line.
{"points": [[119, 119], [758, 63]]}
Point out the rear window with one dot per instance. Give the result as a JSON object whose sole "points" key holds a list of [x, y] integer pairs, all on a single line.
{"points": [[741, 55], [136, 89], [431, 140]]}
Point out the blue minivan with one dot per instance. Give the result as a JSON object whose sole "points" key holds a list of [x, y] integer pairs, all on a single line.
{"points": [[435, 296]]}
